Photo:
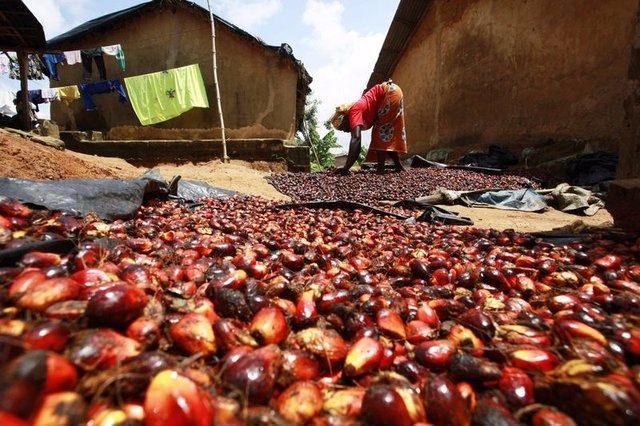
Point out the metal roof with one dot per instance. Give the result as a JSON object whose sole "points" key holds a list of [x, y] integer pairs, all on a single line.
{"points": [[404, 24], [19, 29]]}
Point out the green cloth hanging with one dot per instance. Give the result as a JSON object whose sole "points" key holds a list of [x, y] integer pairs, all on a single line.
{"points": [[164, 95]]}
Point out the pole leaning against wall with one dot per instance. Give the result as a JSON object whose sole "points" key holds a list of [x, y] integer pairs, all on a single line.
{"points": [[225, 157]]}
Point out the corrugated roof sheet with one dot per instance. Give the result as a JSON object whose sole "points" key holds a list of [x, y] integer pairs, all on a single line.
{"points": [[404, 24], [19, 29]]}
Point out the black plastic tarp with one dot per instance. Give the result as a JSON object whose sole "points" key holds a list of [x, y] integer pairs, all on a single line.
{"points": [[108, 198]]}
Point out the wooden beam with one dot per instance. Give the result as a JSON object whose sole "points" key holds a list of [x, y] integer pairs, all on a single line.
{"points": [[23, 101]]}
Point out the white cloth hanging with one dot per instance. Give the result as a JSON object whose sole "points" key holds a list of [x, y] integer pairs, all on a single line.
{"points": [[4, 64], [7, 106], [73, 57], [112, 50], [50, 94]]}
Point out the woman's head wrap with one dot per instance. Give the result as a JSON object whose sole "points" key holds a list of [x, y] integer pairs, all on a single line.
{"points": [[341, 113]]}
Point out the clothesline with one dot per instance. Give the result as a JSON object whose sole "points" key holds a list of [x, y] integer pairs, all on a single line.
{"points": [[155, 97], [48, 63]]}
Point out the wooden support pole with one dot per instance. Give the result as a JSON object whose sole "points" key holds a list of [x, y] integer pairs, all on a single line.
{"points": [[225, 157], [23, 100]]}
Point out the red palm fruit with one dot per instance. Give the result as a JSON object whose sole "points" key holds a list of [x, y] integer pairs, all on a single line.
{"points": [[101, 349], [517, 387], [108, 417], [383, 405], [51, 336], [428, 315], [5, 223], [344, 402], [38, 259], [523, 335], [328, 301], [14, 208], [91, 276], [204, 306], [630, 340], [64, 408], [326, 344], [418, 331], [235, 280], [116, 305], [43, 294], [550, 417], [563, 302], [526, 262], [420, 268], [534, 360], [300, 402], [292, 261], [469, 395], [489, 412], [298, 366], [363, 357], [172, 399], [524, 285], [445, 405], [478, 321], [465, 339], [223, 249], [306, 312], [436, 354], [61, 374], [136, 275], [8, 419], [473, 369], [233, 356], [269, 326], [391, 324], [254, 375], [226, 411], [144, 331], [67, 310], [576, 329], [231, 334], [194, 335], [258, 270], [608, 262], [25, 281]]}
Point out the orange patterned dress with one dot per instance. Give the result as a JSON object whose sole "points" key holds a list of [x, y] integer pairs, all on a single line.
{"points": [[382, 108]]}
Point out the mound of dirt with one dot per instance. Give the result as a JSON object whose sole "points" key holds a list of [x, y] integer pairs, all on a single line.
{"points": [[23, 158]]}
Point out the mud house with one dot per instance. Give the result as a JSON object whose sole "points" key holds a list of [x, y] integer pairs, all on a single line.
{"points": [[263, 88], [516, 73]]}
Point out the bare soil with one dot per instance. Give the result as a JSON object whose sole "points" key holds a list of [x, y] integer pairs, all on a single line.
{"points": [[23, 158]]}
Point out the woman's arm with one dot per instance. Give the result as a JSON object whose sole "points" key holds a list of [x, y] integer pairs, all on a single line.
{"points": [[354, 148]]}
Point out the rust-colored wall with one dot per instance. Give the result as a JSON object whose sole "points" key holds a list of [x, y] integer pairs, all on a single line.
{"points": [[258, 87], [517, 72]]}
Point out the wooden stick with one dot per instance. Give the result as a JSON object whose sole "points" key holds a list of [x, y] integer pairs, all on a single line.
{"points": [[225, 157]]}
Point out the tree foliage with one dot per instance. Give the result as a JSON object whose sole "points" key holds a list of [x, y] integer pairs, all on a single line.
{"points": [[321, 156]]}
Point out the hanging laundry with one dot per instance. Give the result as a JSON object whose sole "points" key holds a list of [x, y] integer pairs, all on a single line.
{"points": [[4, 64], [51, 61], [164, 95], [35, 97], [50, 94], [7, 103], [68, 94], [89, 89], [73, 57], [116, 50], [88, 57], [34, 68]]}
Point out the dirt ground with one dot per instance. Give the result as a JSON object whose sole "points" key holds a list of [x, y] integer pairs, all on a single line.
{"points": [[27, 159], [531, 222]]}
